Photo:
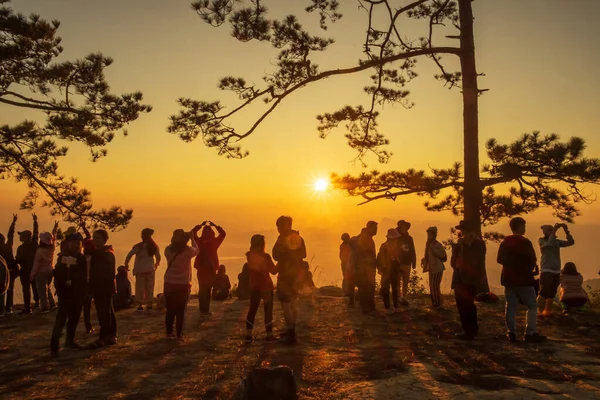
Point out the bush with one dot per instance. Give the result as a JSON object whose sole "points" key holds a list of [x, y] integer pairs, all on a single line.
{"points": [[415, 284]]}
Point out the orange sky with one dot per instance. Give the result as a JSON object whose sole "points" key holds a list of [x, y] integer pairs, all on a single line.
{"points": [[540, 58]]}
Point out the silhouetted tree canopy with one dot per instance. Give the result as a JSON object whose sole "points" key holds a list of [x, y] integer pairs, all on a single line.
{"points": [[535, 171], [78, 105]]}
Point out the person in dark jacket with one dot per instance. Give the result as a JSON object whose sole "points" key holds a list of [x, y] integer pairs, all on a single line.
{"points": [[243, 289], [407, 257], [207, 263], [222, 286], [123, 298], [70, 283], [518, 260], [469, 277], [102, 286], [289, 251], [6, 252], [25, 258], [365, 266], [261, 266]]}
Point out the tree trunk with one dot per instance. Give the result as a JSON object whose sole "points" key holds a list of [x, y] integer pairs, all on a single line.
{"points": [[470, 92]]}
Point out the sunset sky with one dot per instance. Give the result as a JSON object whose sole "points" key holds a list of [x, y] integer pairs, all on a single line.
{"points": [[540, 59]]}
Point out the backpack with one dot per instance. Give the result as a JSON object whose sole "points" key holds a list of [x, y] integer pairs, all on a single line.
{"points": [[277, 383]]}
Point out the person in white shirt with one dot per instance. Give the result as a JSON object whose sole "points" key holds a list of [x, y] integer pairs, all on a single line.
{"points": [[147, 260]]}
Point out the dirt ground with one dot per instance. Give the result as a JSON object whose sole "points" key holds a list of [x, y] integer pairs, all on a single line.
{"points": [[341, 354]]}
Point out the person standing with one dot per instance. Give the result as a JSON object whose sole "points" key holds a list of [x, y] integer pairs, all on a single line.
{"points": [[344, 257], [207, 263], [70, 282], [260, 266], [388, 267], [433, 264], [147, 261], [469, 277], [25, 258], [407, 258], [289, 251], [366, 267], [88, 249], [178, 279], [41, 272], [102, 288], [551, 264], [6, 252], [518, 260]]}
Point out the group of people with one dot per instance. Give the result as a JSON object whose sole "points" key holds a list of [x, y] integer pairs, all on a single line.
{"points": [[85, 271]]}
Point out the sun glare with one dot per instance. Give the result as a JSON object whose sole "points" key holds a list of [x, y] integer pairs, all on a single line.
{"points": [[321, 185]]}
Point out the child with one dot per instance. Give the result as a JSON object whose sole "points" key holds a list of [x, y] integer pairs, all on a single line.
{"points": [[70, 283], [572, 294], [222, 285], [123, 299], [260, 265]]}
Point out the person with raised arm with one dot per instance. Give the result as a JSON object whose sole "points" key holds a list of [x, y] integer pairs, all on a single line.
{"points": [[25, 258], [147, 261], [207, 262], [6, 252], [43, 267], [178, 279]]}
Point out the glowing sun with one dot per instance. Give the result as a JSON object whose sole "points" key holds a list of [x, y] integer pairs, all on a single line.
{"points": [[321, 185]]}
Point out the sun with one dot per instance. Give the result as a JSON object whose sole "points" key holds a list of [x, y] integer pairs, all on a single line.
{"points": [[321, 185]]}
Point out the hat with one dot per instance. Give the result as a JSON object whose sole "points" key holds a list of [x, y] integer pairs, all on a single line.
{"points": [[70, 230], [148, 231], [392, 234], [405, 223], [180, 234], [465, 226], [46, 238], [75, 236], [546, 228], [432, 229], [25, 233]]}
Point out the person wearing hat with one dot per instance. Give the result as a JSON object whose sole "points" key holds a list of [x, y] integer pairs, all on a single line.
{"points": [[178, 279], [260, 266], [70, 281], [433, 264], [517, 257], [469, 276], [41, 272], [6, 252], [25, 258], [147, 261], [551, 265], [407, 258], [344, 257], [388, 267]]}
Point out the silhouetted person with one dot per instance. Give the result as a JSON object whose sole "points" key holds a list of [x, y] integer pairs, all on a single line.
{"points": [[408, 257], [4, 277], [243, 289], [260, 266], [70, 283], [550, 277], [468, 278], [344, 257], [6, 252], [365, 259], [388, 267], [289, 251], [222, 287], [178, 279], [88, 249], [572, 294], [43, 267], [25, 258], [102, 285], [518, 260], [433, 263], [123, 298], [147, 260], [353, 277], [207, 263]]}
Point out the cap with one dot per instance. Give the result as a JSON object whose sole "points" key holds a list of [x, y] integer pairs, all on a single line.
{"points": [[392, 234], [25, 233], [432, 229], [46, 238], [465, 226], [148, 231], [404, 223]]}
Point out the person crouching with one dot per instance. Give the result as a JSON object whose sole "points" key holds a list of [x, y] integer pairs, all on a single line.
{"points": [[70, 283], [260, 265]]}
